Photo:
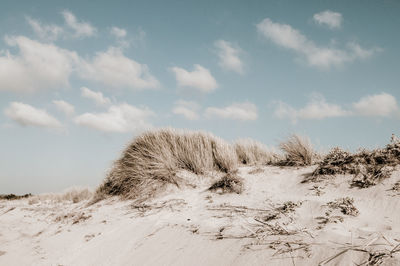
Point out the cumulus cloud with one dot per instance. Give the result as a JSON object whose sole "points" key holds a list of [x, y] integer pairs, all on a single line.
{"points": [[45, 32], [27, 115], [323, 57], [36, 66], [229, 56], [200, 78], [113, 69], [118, 32], [237, 111], [376, 105], [81, 29], [188, 109], [120, 118], [97, 97], [329, 18], [316, 108], [64, 107]]}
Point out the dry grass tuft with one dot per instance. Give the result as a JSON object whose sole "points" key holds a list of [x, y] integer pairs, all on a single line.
{"points": [[251, 152], [229, 183], [298, 151], [74, 195], [152, 160], [368, 167]]}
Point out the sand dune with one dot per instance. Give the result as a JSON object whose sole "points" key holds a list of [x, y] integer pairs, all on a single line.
{"points": [[276, 220]]}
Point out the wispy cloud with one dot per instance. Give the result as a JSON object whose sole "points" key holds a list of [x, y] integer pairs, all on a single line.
{"points": [[118, 32], [45, 32], [229, 56], [236, 111], [316, 108], [188, 109], [95, 96], [322, 57], [27, 115], [329, 18], [120, 118], [81, 28], [377, 105], [200, 78], [67, 108]]}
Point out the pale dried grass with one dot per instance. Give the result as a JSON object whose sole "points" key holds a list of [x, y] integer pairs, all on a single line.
{"points": [[152, 160], [298, 151], [73, 195], [251, 152]]}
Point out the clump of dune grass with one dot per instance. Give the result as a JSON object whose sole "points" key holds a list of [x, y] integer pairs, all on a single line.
{"points": [[229, 183], [367, 167], [298, 151], [73, 195], [251, 152], [14, 197], [152, 160]]}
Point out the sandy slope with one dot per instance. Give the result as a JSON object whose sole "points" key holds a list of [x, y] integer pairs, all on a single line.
{"points": [[193, 226]]}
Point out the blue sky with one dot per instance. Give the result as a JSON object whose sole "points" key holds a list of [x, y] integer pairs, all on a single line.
{"points": [[79, 80]]}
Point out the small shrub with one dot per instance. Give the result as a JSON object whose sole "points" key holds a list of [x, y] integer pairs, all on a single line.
{"points": [[298, 151], [229, 183]]}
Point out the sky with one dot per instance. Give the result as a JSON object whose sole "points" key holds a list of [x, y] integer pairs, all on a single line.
{"points": [[80, 79]]}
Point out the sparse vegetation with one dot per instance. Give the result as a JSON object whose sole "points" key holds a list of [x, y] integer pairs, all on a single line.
{"points": [[298, 151], [251, 152], [229, 183], [368, 167], [345, 205], [14, 197], [74, 195], [152, 160]]}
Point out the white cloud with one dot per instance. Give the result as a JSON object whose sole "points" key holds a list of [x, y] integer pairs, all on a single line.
{"points": [[329, 18], [64, 107], [188, 109], [237, 111], [113, 69], [97, 97], [323, 57], [28, 115], [229, 56], [376, 105], [382, 105], [200, 78], [45, 32], [118, 32], [82, 29], [317, 108], [120, 118], [37, 66]]}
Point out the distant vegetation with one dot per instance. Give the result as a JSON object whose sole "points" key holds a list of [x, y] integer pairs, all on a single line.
{"points": [[14, 197]]}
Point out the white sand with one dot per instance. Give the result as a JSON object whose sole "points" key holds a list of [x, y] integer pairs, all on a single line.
{"points": [[199, 227]]}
